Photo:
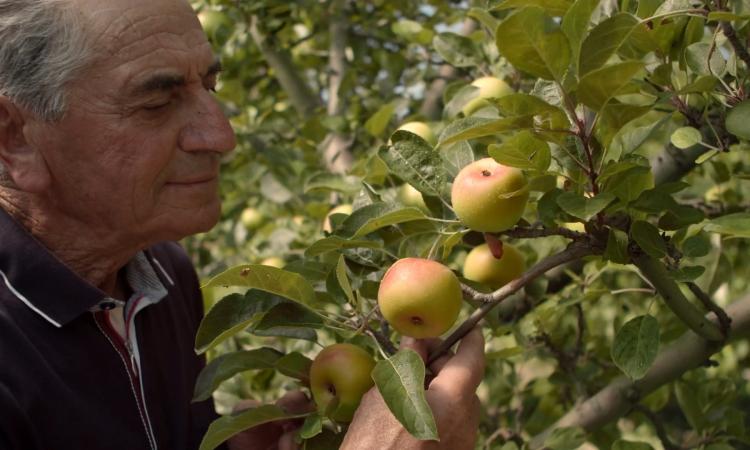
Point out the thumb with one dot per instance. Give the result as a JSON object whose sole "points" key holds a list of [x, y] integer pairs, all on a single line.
{"points": [[417, 345]]}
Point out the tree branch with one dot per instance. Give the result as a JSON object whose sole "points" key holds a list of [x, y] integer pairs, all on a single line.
{"points": [[617, 398], [656, 273], [572, 252], [336, 146], [300, 95], [739, 47]]}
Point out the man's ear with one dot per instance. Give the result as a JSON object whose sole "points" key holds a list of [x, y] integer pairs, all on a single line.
{"points": [[22, 162]]}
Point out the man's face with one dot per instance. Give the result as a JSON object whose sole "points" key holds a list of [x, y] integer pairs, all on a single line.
{"points": [[138, 150]]}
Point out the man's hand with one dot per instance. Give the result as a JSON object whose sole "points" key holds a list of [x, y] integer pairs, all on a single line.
{"points": [[451, 395], [274, 435]]}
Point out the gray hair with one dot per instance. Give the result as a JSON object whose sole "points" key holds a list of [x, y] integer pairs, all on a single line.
{"points": [[43, 45]]}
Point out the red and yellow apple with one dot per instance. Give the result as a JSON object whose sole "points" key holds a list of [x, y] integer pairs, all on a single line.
{"points": [[274, 261], [488, 87], [419, 297], [488, 196], [481, 266], [421, 129], [341, 374]]}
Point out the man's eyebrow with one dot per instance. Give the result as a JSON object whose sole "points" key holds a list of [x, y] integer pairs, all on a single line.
{"points": [[166, 82]]}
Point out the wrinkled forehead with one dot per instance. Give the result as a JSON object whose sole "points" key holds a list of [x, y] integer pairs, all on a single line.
{"points": [[128, 29]]}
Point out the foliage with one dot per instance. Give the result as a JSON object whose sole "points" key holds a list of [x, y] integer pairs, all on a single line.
{"points": [[630, 119]]}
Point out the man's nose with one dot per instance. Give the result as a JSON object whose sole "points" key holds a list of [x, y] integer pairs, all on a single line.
{"points": [[207, 128]]}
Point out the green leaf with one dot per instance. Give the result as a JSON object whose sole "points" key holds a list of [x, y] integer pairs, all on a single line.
{"points": [[416, 162], [552, 7], [575, 24], [737, 120], [270, 279], [333, 243], [736, 225], [227, 365], [400, 380], [522, 150], [726, 16], [699, 61], [685, 137], [231, 315], [326, 181], [680, 216], [687, 273], [343, 279], [629, 184], [597, 87], [375, 216], [604, 40], [485, 18], [582, 207], [412, 31], [523, 40], [286, 315], [545, 116], [378, 122], [476, 127], [225, 427], [648, 239], [457, 156], [636, 345], [617, 247], [690, 405], [566, 438], [630, 445], [628, 139], [312, 426], [295, 365], [457, 50], [696, 246]]}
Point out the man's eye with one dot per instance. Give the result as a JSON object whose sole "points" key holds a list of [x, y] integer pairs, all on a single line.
{"points": [[156, 106]]}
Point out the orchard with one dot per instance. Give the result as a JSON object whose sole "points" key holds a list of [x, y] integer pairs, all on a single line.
{"points": [[571, 176]]}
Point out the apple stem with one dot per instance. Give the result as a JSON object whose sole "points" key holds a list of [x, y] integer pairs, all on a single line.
{"points": [[495, 245], [575, 250]]}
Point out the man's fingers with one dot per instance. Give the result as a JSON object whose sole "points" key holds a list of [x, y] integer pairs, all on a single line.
{"points": [[245, 404], [465, 370], [286, 442], [422, 346], [295, 402]]}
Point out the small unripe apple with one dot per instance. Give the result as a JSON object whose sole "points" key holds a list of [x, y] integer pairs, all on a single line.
{"points": [[488, 87], [421, 129], [411, 197], [274, 261], [488, 196], [419, 297], [340, 372], [251, 218], [340, 209], [481, 266]]}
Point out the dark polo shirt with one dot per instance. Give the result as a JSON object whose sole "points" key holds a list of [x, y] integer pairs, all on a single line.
{"points": [[66, 379]]}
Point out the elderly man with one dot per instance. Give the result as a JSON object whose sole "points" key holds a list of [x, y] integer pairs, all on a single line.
{"points": [[110, 141]]}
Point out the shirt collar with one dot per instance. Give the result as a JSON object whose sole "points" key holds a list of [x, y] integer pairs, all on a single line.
{"points": [[45, 284]]}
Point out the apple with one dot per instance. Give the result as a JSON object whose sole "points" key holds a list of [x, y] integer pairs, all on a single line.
{"points": [[411, 197], [419, 297], [481, 266], [212, 21], [488, 87], [251, 218], [421, 129], [274, 261], [488, 196], [340, 209], [340, 373]]}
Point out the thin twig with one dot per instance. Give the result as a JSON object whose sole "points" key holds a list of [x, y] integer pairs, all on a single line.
{"points": [[724, 321], [739, 47], [661, 432]]}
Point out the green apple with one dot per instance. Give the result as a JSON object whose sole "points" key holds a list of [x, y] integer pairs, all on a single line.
{"points": [[341, 374], [481, 266], [411, 197], [340, 209], [251, 218], [212, 21], [421, 129], [488, 196], [274, 261], [488, 87], [419, 297]]}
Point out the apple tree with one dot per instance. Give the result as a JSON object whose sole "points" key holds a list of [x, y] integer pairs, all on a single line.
{"points": [[578, 168]]}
